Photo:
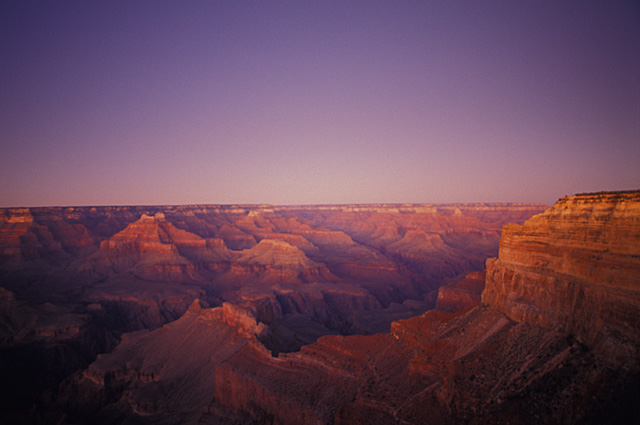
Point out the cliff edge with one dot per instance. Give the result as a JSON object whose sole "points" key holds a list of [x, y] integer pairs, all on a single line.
{"points": [[576, 267]]}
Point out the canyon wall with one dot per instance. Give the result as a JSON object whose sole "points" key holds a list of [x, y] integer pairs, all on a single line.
{"points": [[575, 266]]}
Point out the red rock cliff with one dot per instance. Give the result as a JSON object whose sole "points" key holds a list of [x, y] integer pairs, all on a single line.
{"points": [[575, 266]]}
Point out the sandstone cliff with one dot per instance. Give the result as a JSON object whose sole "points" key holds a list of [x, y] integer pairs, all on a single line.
{"points": [[576, 266]]}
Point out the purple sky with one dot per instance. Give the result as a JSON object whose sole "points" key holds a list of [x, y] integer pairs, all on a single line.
{"points": [[148, 102]]}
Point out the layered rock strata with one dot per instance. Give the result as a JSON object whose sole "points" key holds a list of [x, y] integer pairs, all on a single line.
{"points": [[77, 279], [555, 341], [575, 266]]}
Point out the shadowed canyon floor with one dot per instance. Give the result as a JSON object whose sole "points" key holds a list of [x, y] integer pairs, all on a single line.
{"points": [[267, 314]]}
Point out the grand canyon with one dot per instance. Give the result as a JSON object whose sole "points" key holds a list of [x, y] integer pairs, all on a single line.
{"points": [[327, 314]]}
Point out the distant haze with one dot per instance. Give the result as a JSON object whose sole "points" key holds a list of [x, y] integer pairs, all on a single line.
{"points": [[317, 102]]}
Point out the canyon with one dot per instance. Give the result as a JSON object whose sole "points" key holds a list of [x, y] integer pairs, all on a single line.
{"points": [[346, 314]]}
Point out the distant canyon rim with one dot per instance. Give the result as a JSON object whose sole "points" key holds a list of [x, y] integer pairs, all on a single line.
{"points": [[329, 314]]}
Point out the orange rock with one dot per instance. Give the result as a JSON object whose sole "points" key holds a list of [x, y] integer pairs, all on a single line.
{"points": [[576, 266]]}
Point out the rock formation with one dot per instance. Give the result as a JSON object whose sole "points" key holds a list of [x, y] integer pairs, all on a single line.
{"points": [[269, 281], [555, 341], [461, 294], [574, 267]]}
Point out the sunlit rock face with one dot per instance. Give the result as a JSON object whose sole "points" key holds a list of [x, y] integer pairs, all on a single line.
{"points": [[576, 266]]}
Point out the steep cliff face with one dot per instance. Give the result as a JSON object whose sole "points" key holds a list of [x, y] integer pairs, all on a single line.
{"points": [[576, 266]]}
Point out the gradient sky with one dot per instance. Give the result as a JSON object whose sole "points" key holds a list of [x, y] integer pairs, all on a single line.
{"points": [[304, 102]]}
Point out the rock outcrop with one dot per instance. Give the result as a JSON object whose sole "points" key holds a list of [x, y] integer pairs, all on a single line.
{"points": [[461, 294], [576, 267], [150, 245]]}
